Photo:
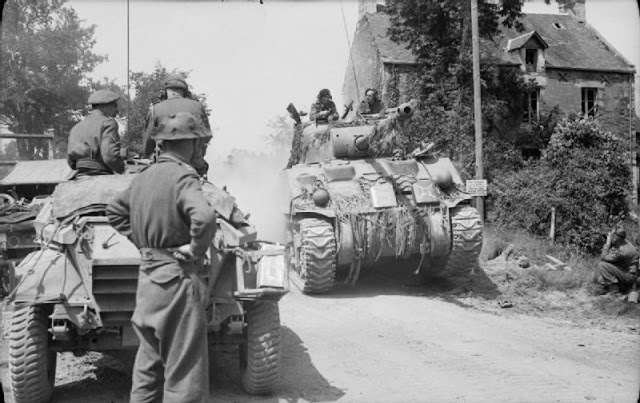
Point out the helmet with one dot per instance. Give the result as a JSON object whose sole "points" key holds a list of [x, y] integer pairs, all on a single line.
{"points": [[324, 92], [175, 81], [103, 97], [182, 125]]}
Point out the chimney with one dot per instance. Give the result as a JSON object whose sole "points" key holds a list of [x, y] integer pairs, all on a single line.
{"points": [[576, 8], [368, 6]]}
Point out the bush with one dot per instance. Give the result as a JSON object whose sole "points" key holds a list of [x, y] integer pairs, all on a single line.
{"points": [[583, 174]]}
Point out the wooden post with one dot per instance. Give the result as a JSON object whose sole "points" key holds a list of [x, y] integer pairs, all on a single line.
{"points": [[477, 110], [552, 230]]}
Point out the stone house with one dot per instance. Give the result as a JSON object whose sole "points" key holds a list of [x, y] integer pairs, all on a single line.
{"points": [[574, 66]]}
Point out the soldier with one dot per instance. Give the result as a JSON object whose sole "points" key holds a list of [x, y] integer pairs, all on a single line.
{"points": [[94, 143], [176, 98], [619, 263], [165, 214], [371, 104], [323, 110]]}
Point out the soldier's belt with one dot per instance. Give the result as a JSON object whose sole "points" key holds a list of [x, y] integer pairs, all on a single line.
{"points": [[156, 254]]}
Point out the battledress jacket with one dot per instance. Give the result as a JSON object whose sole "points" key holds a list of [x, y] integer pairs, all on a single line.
{"points": [[94, 144], [319, 107], [624, 256], [164, 207], [167, 108], [365, 109]]}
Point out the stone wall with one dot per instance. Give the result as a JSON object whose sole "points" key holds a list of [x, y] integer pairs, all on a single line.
{"points": [[368, 66], [615, 97]]}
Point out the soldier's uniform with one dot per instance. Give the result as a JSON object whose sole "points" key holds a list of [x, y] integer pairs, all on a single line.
{"points": [[169, 107], [365, 108], [163, 208], [618, 265], [323, 106], [94, 143]]}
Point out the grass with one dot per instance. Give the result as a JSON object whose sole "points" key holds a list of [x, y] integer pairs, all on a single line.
{"points": [[536, 289]]}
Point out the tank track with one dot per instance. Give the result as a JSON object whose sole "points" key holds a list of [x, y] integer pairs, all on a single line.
{"points": [[466, 226], [315, 269]]}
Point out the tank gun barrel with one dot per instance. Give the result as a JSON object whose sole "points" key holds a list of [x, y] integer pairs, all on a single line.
{"points": [[403, 111]]}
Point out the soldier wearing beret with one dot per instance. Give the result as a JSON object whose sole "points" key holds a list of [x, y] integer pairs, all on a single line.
{"points": [[176, 99], [94, 143], [323, 110], [165, 214]]}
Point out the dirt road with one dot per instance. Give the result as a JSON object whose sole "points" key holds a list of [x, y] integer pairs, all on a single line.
{"points": [[383, 342]]}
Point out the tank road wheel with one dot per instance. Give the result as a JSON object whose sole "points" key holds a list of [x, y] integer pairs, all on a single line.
{"points": [[467, 239], [315, 269], [260, 352], [32, 363]]}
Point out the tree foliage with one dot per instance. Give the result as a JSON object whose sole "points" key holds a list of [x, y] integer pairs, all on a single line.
{"points": [[583, 174], [147, 88], [45, 56], [439, 33]]}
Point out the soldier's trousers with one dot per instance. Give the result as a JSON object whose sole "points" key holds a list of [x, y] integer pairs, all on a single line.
{"points": [[608, 273], [170, 321]]}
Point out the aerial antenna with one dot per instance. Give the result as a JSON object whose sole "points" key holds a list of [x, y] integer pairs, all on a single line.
{"points": [[353, 66], [128, 95]]}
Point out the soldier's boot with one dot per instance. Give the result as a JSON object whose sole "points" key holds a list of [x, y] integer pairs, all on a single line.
{"points": [[613, 288]]}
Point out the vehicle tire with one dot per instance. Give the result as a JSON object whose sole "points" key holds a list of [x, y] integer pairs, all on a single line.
{"points": [[260, 352], [32, 363], [466, 226], [315, 268]]}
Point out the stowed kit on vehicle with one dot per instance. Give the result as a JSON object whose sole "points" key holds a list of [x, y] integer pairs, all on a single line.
{"points": [[354, 199], [77, 293]]}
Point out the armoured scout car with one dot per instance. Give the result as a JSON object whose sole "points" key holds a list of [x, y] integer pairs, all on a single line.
{"points": [[353, 198], [77, 292]]}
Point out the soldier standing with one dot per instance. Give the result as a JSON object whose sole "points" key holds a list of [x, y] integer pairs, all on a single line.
{"points": [[94, 143], [165, 214], [176, 98], [324, 109]]}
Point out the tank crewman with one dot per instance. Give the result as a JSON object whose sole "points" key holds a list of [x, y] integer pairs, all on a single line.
{"points": [[371, 104], [175, 98], [324, 109], [94, 143], [619, 263], [165, 214]]}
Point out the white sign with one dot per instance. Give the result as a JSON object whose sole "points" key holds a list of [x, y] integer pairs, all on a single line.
{"points": [[477, 187]]}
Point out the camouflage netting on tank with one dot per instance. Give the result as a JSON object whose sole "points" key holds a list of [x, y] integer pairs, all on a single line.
{"points": [[388, 134], [87, 194]]}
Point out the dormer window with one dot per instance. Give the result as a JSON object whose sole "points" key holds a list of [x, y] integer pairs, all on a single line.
{"points": [[531, 59], [557, 25]]}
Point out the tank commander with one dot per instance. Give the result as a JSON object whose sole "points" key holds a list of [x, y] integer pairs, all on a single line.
{"points": [[175, 98], [324, 109], [94, 143], [619, 263], [165, 214], [371, 104]]}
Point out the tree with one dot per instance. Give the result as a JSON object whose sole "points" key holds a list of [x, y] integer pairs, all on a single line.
{"points": [[439, 33], [45, 56], [147, 88]]}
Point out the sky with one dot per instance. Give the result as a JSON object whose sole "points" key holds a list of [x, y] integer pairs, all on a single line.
{"points": [[252, 59]]}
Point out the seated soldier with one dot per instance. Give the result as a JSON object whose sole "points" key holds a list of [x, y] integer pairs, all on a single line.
{"points": [[619, 263], [371, 104], [324, 109]]}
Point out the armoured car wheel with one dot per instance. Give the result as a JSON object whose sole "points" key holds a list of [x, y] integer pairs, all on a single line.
{"points": [[315, 268], [467, 239], [32, 364], [260, 353]]}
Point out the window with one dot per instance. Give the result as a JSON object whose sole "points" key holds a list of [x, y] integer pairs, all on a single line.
{"points": [[531, 59], [589, 104], [531, 153], [530, 106]]}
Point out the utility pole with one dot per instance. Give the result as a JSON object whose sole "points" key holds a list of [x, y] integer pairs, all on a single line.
{"points": [[477, 110]]}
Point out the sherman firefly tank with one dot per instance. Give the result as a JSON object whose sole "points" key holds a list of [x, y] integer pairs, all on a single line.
{"points": [[353, 199], [78, 291]]}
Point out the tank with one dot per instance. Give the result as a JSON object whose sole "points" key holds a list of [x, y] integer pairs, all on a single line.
{"points": [[77, 292], [354, 198]]}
